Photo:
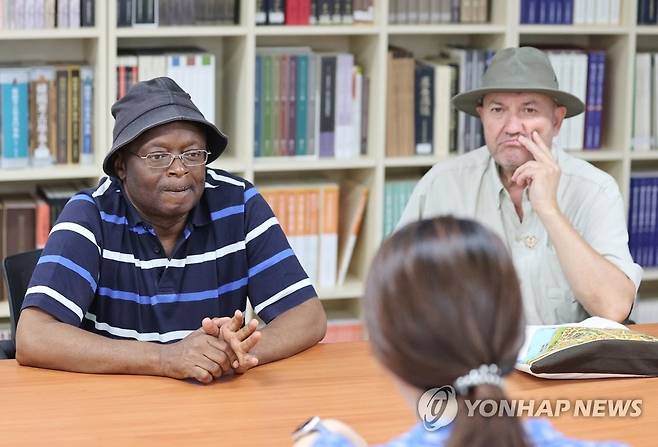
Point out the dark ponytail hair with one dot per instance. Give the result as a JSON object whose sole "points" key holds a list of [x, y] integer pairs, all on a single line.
{"points": [[442, 297]]}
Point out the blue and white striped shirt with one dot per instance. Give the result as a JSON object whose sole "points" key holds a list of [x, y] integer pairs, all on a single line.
{"points": [[104, 269]]}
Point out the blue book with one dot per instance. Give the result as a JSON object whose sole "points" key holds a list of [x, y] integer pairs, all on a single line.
{"points": [[568, 12], [600, 84], [87, 115], [533, 11], [552, 11], [542, 16], [258, 119], [14, 117], [632, 216], [525, 17], [590, 100], [559, 12]]}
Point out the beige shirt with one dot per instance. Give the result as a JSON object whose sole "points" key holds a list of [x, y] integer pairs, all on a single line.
{"points": [[469, 186]]}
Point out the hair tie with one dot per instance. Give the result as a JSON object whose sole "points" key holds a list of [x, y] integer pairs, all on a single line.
{"points": [[484, 375]]}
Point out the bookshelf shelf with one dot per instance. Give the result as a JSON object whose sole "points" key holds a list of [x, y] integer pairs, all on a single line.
{"points": [[598, 155], [446, 29], [317, 30], [56, 33], [181, 31], [574, 29], [4, 309], [56, 172], [411, 162], [230, 164], [650, 274], [648, 155], [295, 164], [352, 288], [647, 30]]}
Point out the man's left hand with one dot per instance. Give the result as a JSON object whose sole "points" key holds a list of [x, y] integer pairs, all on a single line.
{"points": [[541, 176]]}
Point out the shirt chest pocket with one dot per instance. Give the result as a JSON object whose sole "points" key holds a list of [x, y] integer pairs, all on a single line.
{"points": [[561, 305]]}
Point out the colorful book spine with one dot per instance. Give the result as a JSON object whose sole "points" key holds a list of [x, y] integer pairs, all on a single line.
{"points": [[87, 115], [14, 118]]}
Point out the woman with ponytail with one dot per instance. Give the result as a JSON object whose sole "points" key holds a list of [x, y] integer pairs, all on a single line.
{"points": [[443, 307]]}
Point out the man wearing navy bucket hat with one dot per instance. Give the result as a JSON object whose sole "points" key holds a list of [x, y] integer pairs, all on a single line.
{"points": [[149, 272], [563, 219]]}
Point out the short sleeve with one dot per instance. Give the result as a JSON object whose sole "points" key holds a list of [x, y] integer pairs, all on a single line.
{"points": [[606, 231], [277, 281], [65, 279]]}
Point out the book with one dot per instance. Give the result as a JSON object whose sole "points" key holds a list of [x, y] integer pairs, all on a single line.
{"points": [[14, 120], [352, 206], [43, 107], [594, 348]]}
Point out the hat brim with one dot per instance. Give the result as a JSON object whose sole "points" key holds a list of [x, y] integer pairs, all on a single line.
{"points": [[468, 102], [216, 140]]}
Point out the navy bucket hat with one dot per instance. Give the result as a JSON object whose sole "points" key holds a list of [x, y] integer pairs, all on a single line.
{"points": [[151, 103]]}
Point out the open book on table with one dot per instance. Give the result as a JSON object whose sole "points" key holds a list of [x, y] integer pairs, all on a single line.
{"points": [[593, 348]]}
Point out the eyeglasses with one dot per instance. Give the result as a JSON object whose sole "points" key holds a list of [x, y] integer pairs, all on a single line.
{"points": [[162, 160]]}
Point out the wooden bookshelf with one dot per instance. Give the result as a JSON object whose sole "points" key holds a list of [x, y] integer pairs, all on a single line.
{"points": [[235, 50]]}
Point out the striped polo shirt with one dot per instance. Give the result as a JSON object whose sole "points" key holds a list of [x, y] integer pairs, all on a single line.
{"points": [[104, 269]]}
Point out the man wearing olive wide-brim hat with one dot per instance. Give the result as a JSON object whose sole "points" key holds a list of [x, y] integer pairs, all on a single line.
{"points": [[150, 271], [562, 219]]}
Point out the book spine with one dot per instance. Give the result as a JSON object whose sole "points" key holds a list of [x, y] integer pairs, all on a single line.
{"points": [[257, 106], [590, 103], [14, 117], [87, 115], [74, 123], [600, 85], [267, 106], [424, 107], [301, 104], [292, 106], [327, 106], [62, 114]]}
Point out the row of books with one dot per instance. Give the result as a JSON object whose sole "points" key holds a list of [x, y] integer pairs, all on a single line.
{"points": [[314, 12], [438, 11], [177, 12], [647, 12], [40, 14], [46, 115], [192, 68], [642, 218], [396, 196], [26, 218], [309, 104], [419, 116], [322, 222], [567, 12], [645, 103], [582, 74]]}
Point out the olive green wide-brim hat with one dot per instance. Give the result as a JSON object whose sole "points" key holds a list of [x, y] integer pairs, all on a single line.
{"points": [[516, 70]]}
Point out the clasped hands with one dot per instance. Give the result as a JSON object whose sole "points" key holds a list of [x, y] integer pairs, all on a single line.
{"points": [[219, 347]]}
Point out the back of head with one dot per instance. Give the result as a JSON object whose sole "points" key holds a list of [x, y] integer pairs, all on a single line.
{"points": [[442, 298]]}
